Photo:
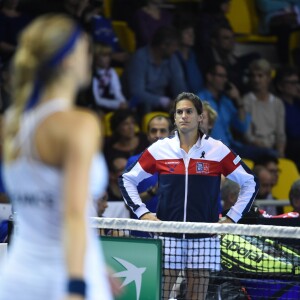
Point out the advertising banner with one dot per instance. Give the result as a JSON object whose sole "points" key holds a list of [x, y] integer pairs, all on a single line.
{"points": [[137, 264]]}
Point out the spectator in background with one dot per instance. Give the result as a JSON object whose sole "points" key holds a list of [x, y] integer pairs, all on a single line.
{"points": [[106, 87], [209, 117], [148, 19], [101, 205], [280, 18], [116, 167], [221, 49], [212, 15], [267, 130], [229, 106], [187, 57], [294, 196], [103, 32], [125, 140], [229, 193], [116, 207], [158, 127], [288, 87], [265, 189], [271, 163], [154, 74]]}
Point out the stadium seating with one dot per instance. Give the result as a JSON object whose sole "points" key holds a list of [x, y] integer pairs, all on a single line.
{"points": [[294, 43], [107, 5], [106, 123], [288, 174], [125, 35], [243, 17], [249, 163]]}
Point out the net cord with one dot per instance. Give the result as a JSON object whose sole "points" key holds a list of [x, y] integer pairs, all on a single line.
{"points": [[196, 228]]}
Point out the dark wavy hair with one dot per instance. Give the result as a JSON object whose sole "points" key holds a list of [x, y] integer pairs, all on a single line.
{"points": [[191, 97], [119, 116]]}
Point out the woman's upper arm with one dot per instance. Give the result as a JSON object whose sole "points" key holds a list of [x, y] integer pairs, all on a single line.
{"points": [[80, 146]]}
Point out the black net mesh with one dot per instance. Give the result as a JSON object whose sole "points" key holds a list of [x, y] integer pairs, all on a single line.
{"points": [[220, 261]]}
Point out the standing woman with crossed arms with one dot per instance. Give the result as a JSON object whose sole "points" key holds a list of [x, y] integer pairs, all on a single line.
{"points": [[52, 170]]}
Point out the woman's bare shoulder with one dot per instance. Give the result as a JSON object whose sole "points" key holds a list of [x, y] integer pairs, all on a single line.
{"points": [[71, 129], [75, 122]]}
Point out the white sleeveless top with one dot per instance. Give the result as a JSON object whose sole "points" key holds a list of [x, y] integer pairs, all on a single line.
{"points": [[36, 192]]}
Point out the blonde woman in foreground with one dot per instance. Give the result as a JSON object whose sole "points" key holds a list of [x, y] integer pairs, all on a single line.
{"points": [[50, 160]]}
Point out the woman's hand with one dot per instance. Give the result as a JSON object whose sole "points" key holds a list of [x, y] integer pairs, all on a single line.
{"points": [[115, 285], [149, 217], [74, 297], [226, 220]]}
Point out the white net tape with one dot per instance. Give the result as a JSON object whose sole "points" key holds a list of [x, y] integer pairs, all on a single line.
{"points": [[197, 228]]}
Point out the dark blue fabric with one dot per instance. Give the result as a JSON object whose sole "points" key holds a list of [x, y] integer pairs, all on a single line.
{"points": [[292, 120], [203, 198], [2, 189], [145, 185], [227, 117], [102, 31], [3, 231], [192, 72]]}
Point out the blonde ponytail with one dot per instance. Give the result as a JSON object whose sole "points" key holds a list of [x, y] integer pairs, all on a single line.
{"points": [[37, 44]]}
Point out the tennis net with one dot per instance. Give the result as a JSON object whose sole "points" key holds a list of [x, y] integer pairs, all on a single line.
{"points": [[215, 261]]}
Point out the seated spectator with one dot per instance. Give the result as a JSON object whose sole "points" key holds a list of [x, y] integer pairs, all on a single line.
{"points": [[232, 114], [103, 32], [280, 18], [154, 74], [116, 207], [228, 106], [267, 129], [209, 116], [125, 141], [148, 19], [271, 163], [106, 87], [116, 167], [158, 127], [265, 189], [212, 15], [187, 57], [294, 196], [229, 193], [288, 87], [101, 205], [221, 49]]}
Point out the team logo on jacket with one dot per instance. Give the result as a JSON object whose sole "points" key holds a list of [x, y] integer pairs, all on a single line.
{"points": [[202, 167], [172, 165]]}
